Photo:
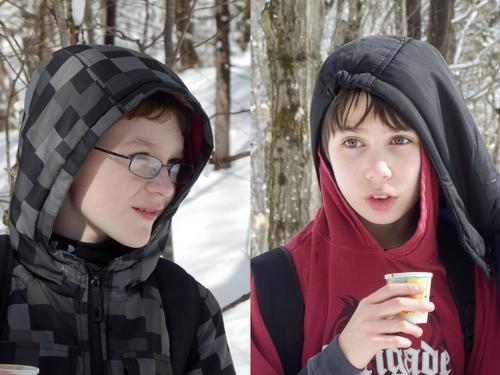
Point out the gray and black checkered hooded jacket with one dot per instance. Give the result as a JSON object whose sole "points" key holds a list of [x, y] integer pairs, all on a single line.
{"points": [[73, 98]]}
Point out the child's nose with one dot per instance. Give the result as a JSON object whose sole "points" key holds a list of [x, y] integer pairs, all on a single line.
{"points": [[378, 170], [162, 184]]}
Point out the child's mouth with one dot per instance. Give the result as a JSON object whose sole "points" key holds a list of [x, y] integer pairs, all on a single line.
{"points": [[380, 202], [146, 214]]}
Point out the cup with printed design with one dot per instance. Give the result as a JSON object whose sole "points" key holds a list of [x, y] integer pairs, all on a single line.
{"points": [[12, 369], [421, 278]]}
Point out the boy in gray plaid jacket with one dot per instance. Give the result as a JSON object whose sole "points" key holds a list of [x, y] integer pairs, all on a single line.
{"points": [[111, 143]]}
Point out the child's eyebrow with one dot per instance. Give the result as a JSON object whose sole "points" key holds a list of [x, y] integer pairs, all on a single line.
{"points": [[146, 143], [357, 129], [139, 142]]}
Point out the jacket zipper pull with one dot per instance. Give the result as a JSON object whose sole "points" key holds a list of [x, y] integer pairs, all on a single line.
{"points": [[95, 285]]}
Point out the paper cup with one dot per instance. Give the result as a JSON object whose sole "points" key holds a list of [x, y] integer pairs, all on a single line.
{"points": [[19, 369], [422, 278]]}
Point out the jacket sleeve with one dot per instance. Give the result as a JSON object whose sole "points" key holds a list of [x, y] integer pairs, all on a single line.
{"points": [[211, 355], [331, 361]]}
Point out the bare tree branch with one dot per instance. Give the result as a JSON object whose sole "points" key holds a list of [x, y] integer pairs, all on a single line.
{"points": [[8, 37], [477, 60], [209, 38], [186, 26], [24, 12]]}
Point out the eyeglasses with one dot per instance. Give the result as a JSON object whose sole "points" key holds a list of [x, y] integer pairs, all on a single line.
{"points": [[148, 167]]}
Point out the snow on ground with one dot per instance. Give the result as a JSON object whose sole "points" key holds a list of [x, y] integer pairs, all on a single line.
{"points": [[237, 323], [211, 227]]}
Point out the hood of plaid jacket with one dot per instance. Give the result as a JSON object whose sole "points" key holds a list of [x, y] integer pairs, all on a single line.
{"points": [[413, 78], [73, 98]]}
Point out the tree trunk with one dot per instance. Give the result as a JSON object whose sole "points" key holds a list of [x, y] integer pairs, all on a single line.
{"points": [[109, 36], [439, 24], [223, 88], [89, 22], [414, 18], [292, 31], [169, 29], [243, 27], [354, 22], [62, 12], [452, 38], [346, 30], [44, 34], [259, 223], [400, 17], [184, 26]]}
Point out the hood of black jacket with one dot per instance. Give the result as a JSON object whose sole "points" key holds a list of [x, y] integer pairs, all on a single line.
{"points": [[73, 98], [413, 78]]}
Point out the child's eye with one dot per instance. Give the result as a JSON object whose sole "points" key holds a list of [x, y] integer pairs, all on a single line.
{"points": [[352, 143], [401, 140], [139, 153]]}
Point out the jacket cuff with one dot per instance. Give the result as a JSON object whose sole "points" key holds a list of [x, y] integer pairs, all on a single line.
{"points": [[331, 361]]}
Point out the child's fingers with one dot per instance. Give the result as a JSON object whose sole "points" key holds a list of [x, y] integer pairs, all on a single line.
{"points": [[391, 342], [401, 304], [398, 325], [392, 290]]}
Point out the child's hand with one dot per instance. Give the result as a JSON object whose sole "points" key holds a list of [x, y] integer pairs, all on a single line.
{"points": [[374, 325]]}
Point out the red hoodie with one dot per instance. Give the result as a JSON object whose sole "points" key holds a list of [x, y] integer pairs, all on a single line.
{"points": [[339, 262]]}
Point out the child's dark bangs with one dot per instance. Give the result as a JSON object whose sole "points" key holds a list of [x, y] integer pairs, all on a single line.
{"points": [[346, 101], [387, 115], [160, 106]]}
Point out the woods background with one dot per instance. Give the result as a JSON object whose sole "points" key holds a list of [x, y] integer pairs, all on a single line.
{"points": [[290, 39]]}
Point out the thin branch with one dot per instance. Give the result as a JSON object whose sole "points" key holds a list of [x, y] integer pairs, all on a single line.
{"points": [[243, 298], [216, 160], [154, 39], [205, 41], [477, 60], [24, 12], [11, 67], [14, 50], [229, 113], [489, 87], [464, 15], [7, 137], [463, 34]]}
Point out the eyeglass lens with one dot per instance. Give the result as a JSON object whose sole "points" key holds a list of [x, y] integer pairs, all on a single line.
{"points": [[148, 167]]}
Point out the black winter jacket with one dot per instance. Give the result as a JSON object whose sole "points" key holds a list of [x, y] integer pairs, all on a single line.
{"points": [[73, 98]]}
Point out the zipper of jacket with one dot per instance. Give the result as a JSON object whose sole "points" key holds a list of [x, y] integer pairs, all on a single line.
{"points": [[95, 316]]}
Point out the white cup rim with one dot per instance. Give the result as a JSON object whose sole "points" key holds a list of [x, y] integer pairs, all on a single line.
{"points": [[408, 274]]}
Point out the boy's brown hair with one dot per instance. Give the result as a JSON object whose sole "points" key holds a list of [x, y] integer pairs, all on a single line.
{"points": [[160, 105], [346, 100]]}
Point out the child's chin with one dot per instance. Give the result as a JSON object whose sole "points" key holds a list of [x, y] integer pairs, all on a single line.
{"points": [[134, 242], [378, 220]]}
